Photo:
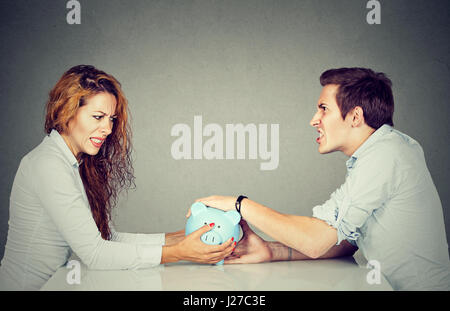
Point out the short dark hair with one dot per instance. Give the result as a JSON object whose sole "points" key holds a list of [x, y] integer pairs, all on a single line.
{"points": [[364, 88]]}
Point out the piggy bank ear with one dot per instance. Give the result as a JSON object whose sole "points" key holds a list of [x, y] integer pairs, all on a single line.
{"points": [[234, 216], [197, 208]]}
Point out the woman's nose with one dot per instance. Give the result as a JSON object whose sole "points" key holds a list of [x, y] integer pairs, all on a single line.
{"points": [[107, 127]]}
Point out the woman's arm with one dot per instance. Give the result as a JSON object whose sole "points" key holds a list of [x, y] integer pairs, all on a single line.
{"points": [[137, 238], [174, 237], [60, 191]]}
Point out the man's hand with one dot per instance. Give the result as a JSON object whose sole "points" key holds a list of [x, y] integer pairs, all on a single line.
{"points": [[251, 248], [224, 203]]}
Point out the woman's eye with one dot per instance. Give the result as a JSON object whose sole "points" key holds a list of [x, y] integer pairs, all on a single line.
{"points": [[98, 117]]}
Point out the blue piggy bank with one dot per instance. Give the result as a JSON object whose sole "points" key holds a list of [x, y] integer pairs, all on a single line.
{"points": [[226, 224]]}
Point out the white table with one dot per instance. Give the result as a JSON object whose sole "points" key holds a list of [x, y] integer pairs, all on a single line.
{"points": [[340, 274]]}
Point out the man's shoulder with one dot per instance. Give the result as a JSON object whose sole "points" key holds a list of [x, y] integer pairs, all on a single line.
{"points": [[394, 144], [392, 150]]}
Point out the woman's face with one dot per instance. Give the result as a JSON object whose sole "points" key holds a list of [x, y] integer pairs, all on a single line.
{"points": [[91, 125]]}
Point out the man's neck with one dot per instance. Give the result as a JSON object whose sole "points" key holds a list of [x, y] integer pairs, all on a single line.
{"points": [[359, 138]]}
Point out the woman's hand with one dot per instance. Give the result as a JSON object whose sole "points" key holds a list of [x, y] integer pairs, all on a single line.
{"points": [[224, 203], [191, 248], [174, 237]]}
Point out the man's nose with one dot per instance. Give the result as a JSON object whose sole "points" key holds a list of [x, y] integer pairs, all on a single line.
{"points": [[315, 120]]}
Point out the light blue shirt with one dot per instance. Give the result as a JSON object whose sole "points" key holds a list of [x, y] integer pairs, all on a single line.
{"points": [[50, 217], [389, 206]]}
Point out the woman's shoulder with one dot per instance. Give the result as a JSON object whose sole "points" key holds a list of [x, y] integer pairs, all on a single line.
{"points": [[47, 154]]}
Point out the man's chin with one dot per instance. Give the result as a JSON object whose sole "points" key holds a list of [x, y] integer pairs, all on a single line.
{"points": [[323, 150]]}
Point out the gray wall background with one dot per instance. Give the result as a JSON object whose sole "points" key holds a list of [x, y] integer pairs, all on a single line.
{"points": [[231, 62]]}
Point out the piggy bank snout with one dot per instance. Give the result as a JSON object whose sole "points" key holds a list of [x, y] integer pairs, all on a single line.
{"points": [[211, 238]]}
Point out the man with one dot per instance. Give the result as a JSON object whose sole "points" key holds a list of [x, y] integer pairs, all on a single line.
{"points": [[388, 206]]}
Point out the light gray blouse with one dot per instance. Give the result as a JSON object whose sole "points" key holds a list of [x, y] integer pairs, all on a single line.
{"points": [[50, 217]]}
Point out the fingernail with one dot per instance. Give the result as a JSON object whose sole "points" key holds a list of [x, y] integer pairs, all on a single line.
{"points": [[232, 239], [211, 224], [234, 243]]}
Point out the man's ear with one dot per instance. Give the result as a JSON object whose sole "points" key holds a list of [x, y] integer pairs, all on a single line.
{"points": [[357, 116]]}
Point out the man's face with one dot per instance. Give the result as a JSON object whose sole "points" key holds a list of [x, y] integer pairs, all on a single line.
{"points": [[333, 130]]}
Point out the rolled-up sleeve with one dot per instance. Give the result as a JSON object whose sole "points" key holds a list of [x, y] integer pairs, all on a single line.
{"points": [[365, 189], [59, 193], [331, 211]]}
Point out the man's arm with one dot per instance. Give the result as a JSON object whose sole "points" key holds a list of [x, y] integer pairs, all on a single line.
{"points": [[281, 252], [253, 249], [310, 236]]}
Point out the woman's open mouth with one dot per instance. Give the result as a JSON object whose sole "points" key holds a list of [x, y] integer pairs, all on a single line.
{"points": [[97, 142]]}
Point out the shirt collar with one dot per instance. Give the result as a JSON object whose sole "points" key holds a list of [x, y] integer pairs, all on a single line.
{"points": [[59, 141], [380, 132]]}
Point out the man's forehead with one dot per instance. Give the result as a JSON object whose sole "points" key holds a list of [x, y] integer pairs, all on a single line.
{"points": [[328, 93], [330, 89]]}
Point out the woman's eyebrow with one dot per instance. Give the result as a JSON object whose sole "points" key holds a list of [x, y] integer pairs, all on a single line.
{"points": [[105, 113]]}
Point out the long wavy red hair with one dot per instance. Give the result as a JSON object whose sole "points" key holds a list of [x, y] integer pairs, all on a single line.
{"points": [[110, 171]]}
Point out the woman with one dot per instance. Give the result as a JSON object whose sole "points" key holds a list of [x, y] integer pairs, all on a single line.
{"points": [[65, 188]]}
